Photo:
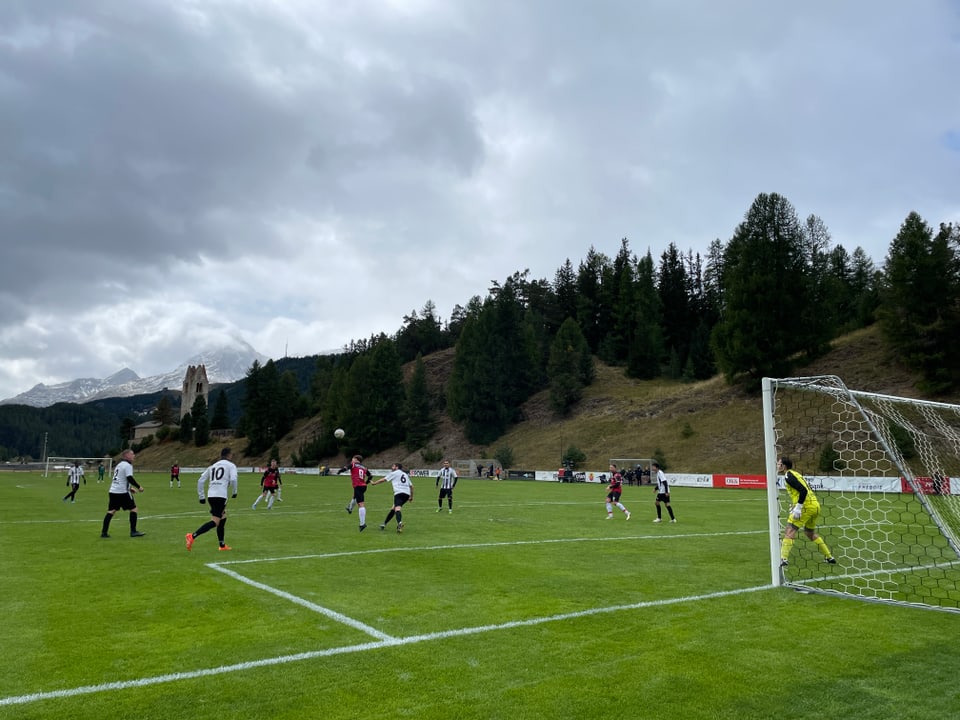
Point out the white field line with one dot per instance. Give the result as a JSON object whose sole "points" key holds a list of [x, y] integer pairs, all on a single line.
{"points": [[332, 614], [394, 642], [466, 546]]}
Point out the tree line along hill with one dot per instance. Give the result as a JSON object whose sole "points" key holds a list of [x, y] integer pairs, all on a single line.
{"points": [[619, 357], [707, 426]]}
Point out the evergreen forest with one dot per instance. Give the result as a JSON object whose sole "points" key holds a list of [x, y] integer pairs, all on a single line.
{"points": [[774, 295]]}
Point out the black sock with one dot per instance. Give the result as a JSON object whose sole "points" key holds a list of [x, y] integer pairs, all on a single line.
{"points": [[133, 522], [106, 523], [209, 525], [670, 510], [389, 516], [399, 517], [221, 530]]}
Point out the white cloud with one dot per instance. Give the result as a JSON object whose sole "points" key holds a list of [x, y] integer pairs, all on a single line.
{"points": [[305, 173]]}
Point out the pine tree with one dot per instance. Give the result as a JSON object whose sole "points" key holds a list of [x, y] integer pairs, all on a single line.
{"points": [[495, 367], [570, 368], [618, 306], [646, 348], [673, 290], [417, 417], [163, 413], [590, 311], [221, 412], [186, 428], [201, 423], [920, 301], [765, 293]]}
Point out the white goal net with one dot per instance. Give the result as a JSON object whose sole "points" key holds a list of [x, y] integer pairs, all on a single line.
{"points": [[886, 471], [635, 471], [60, 464]]}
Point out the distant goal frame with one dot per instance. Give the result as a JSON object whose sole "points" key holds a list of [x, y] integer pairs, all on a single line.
{"points": [[54, 460]]}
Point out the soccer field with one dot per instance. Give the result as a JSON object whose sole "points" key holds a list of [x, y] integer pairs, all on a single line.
{"points": [[523, 603]]}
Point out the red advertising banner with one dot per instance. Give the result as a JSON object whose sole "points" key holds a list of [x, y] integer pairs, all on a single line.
{"points": [[929, 486], [748, 482]]}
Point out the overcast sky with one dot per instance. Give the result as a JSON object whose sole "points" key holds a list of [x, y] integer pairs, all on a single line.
{"points": [[300, 173]]}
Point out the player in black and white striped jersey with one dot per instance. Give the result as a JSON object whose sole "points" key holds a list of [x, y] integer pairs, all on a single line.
{"points": [[446, 481], [74, 475]]}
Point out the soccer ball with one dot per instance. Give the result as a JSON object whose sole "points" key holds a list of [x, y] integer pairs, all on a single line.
{"points": [[339, 433]]}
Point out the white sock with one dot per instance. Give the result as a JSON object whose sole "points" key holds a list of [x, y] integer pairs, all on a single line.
{"points": [[363, 516], [270, 502]]}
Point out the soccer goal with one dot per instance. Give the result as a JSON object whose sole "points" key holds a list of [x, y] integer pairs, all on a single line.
{"points": [[635, 471], [60, 464], [887, 473]]}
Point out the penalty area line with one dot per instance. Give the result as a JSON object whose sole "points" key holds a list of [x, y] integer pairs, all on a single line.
{"points": [[363, 647], [332, 614]]}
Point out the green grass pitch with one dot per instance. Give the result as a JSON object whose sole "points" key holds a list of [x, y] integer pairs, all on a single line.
{"points": [[525, 602]]}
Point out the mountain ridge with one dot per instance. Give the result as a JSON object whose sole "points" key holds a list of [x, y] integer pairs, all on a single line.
{"points": [[224, 364]]}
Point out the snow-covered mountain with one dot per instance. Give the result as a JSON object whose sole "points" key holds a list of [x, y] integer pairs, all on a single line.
{"points": [[224, 365]]}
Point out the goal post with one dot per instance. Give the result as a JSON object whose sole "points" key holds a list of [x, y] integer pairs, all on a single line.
{"points": [[634, 470], [886, 471], [60, 463]]}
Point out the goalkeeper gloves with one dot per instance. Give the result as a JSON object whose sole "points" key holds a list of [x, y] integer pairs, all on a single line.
{"points": [[234, 495], [203, 501], [795, 513]]}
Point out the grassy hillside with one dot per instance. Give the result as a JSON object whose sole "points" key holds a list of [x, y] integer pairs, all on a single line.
{"points": [[700, 427]]}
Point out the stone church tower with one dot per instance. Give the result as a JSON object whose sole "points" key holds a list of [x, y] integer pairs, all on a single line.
{"points": [[195, 385]]}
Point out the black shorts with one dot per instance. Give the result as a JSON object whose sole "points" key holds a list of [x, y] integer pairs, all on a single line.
{"points": [[272, 490], [218, 506], [121, 501], [358, 492], [400, 499], [613, 496], [446, 492], [663, 497]]}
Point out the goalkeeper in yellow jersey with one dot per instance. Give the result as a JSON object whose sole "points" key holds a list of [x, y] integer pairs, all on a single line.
{"points": [[804, 513]]}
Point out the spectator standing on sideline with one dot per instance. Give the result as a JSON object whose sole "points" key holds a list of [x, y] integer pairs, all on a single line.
{"points": [[74, 475], [446, 481], [122, 488], [359, 479], [100, 470], [269, 484], [804, 513], [175, 474], [220, 480], [614, 489], [663, 492], [402, 493]]}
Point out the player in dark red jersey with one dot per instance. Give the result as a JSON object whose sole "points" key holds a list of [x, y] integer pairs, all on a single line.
{"points": [[613, 493], [270, 485], [359, 478]]}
